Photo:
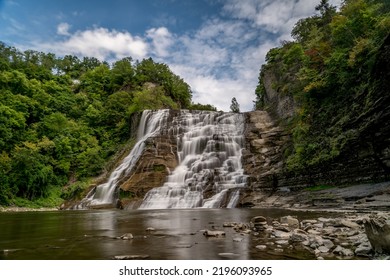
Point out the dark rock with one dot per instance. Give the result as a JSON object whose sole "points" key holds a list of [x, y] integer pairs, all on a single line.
{"points": [[214, 233], [131, 257], [378, 232], [126, 236]]}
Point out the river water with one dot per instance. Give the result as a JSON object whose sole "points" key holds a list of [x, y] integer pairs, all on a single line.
{"points": [[178, 234]]}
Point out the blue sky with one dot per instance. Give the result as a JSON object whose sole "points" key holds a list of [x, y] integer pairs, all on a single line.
{"points": [[216, 46]]}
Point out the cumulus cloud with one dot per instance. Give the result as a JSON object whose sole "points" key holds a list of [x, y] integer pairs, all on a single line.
{"points": [[161, 40], [275, 16], [98, 42]]}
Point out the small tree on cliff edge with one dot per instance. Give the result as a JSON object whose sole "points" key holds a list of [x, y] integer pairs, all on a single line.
{"points": [[235, 107]]}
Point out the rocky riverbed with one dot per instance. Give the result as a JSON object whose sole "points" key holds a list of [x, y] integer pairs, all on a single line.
{"points": [[351, 237]]}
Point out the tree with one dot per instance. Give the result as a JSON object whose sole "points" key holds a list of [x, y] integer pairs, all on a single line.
{"points": [[235, 107]]}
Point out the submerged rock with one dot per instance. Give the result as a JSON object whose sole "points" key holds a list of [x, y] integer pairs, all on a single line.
{"points": [[131, 257], [214, 233], [126, 236]]}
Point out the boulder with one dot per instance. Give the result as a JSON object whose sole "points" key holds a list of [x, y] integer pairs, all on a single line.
{"points": [[290, 221], [343, 251], [377, 228], [363, 249], [258, 223]]}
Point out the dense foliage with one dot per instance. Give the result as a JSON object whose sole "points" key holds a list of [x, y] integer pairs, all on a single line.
{"points": [[327, 70], [62, 118]]}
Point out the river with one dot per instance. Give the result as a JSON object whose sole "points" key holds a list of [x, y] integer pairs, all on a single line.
{"points": [[177, 234]]}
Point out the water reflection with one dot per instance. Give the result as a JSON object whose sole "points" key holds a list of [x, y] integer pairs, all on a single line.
{"points": [[178, 234]]}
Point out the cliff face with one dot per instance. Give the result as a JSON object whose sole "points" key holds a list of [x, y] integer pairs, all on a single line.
{"points": [[262, 158], [359, 123], [158, 159]]}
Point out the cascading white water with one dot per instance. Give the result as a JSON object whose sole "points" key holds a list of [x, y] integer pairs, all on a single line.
{"points": [[209, 153], [150, 125]]}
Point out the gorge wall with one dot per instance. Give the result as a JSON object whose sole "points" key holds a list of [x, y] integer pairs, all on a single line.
{"points": [[358, 123]]}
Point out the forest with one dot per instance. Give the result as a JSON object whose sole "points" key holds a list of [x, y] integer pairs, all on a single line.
{"points": [[336, 73], [63, 118]]}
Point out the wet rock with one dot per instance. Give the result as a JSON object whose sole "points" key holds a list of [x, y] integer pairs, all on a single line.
{"points": [[363, 249], [290, 221], [298, 236], [377, 228], [150, 229], [328, 243], [282, 228], [258, 219], [241, 227], [229, 224], [281, 242], [126, 236], [323, 249], [214, 233], [261, 247], [309, 222], [346, 223], [316, 241], [281, 234], [259, 223], [131, 257], [238, 239], [343, 251]]}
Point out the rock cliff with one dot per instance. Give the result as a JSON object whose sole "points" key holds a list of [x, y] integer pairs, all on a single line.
{"points": [[361, 120]]}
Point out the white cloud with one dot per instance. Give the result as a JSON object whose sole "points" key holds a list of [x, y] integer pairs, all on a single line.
{"points": [[63, 29], [98, 42], [161, 39]]}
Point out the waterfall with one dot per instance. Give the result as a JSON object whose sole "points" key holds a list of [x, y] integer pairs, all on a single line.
{"points": [[209, 173], [104, 194]]}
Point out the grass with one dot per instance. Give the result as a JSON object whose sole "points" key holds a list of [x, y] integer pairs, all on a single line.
{"points": [[318, 188], [52, 201]]}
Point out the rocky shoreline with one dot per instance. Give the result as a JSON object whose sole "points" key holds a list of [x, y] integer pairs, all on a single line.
{"points": [[349, 237]]}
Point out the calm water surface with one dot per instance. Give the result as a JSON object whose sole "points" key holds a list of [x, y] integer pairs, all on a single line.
{"points": [[92, 234]]}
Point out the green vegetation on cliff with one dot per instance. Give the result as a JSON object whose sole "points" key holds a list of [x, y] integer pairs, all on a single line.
{"points": [[335, 73], [61, 119]]}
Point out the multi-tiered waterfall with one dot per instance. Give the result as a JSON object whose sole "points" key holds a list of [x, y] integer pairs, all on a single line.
{"points": [[209, 172]]}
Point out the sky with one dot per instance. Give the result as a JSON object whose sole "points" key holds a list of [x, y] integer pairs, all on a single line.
{"points": [[216, 46]]}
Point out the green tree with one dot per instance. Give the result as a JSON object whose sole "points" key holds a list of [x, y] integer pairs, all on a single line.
{"points": [[234, 107]]}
